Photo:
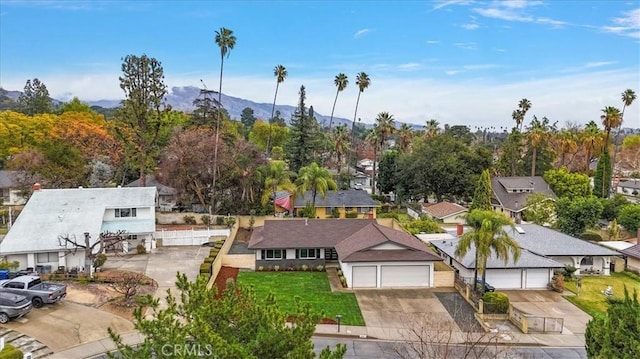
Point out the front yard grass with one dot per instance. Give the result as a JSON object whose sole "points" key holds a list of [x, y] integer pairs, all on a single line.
{"points": [[311, 287], [591, 298]]}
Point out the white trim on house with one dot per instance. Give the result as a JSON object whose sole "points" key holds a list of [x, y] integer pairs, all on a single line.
{"points": [[399, 278]]}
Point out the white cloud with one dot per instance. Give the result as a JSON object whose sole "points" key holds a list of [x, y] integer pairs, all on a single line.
{"points": [[499, 50], [409, 66], [361, 33], [433, 42], [627, 25], [445, 3], [466, 45], [517, 10], [576, 97], [599, 64], [470, 26]]}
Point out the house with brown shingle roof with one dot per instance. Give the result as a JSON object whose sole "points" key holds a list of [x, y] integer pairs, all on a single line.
{"points": [[446, 212], [510, 194], [370, 255], [632, 255]]}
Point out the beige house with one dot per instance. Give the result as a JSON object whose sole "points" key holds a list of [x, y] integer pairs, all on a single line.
{"points": [[633, 257], [445, 212], [510, 194]]}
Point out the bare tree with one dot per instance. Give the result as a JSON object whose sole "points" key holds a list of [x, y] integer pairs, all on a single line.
{"points": [[433, 337], [91, 251], [128, 285]]}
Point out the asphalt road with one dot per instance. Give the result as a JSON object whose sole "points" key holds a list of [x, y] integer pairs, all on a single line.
{"points": [[374, 349]]}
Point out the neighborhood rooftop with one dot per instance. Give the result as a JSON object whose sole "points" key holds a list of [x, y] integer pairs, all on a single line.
{"points": [[443, 209], [512, 192], [549, 242], [334, 199]]}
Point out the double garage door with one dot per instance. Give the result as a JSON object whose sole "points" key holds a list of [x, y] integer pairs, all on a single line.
{"points": [[512, 278], [390, 276]]}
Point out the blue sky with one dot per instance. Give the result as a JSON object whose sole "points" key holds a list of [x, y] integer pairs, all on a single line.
{"points": [[460, 62]]}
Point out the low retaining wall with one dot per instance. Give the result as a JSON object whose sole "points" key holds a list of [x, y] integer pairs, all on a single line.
{"points": [[247, 261], [443, 276], [217, 263]]}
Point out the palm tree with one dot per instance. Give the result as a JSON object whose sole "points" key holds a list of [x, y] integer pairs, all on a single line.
{"points": [[432, 128], [226, 42], [524, 105], [340, 143], [384, 128], [373, 138], [537, 133], [316, 179], [487, 237], [611, 119], [341, 81], [280, 72], [277, 177], [363, 81], [405, 135], [591, 138], [628, 96]]}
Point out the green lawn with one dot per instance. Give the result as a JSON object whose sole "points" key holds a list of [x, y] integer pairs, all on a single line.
{"points": [[591, 299], [311, 287]]}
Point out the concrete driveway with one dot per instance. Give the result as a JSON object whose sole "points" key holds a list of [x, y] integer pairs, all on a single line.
{"points": [[550, 304], [63, 325], [388, 313]]}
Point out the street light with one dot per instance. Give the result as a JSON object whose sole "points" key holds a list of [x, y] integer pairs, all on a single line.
{"points": [[338, 317]]}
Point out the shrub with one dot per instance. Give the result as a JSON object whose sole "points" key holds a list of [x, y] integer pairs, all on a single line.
{"points": [[189, 219], [4, 264], [304, 267], [557, 283], [320, 268], [219, 221], [205, 268], [11, 352], [205, 276], [100, 259], [393, 215], [568, 272], [214, 252], [140, 249], [343, 280], [218, 245], [351, 214], [591, 236], [230, 221], [495, 302], [339, 272], [206, 219], [209, 259], [276, 268], [335, 212]]}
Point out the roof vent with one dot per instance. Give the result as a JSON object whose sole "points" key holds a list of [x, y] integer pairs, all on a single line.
{"points": [[519, 230]]}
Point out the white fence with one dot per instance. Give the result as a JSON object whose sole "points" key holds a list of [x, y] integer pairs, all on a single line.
{"points": [[192, 237], [412, 213]]}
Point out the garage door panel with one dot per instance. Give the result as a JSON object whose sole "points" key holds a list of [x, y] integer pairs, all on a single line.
{"points": [[404, 276], [537, 278], [505, 278], [364, 277]]}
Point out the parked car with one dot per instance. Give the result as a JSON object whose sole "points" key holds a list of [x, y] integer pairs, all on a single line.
{"points": [[38, 292], [13, 306], [486, 287]]}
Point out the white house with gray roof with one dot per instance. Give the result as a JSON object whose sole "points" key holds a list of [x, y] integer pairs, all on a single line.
{"points": [[33, 240], [510, 194]]}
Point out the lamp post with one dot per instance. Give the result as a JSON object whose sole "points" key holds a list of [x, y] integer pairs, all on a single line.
{"points": [[338, 317]]}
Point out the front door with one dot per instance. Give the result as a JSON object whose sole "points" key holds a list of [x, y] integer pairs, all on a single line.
{"points": [[330, 254]]}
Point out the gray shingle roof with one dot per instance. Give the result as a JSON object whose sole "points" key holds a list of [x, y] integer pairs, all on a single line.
{"points": [[8, 179], [346, 198], [526, 260], [549, 242], [635, 184], [152, 181], [632, 251], [516, 201]]}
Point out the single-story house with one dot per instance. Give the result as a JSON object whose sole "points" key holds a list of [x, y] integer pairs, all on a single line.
{"points": [[369, 254], [342, 202], [10, 192], [531, 271], [565, 249], [618, 264], [446, 212], [33, 240], [630, 189], [166, 197], [510, 193], [357, 179], [633, 257]]}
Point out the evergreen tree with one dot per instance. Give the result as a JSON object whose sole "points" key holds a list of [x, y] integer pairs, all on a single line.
{"points": [[247, 118], [602, 179], [510, 162], [35, 98], [615, 334], [483, 193], [303, 139], [387, 172]]}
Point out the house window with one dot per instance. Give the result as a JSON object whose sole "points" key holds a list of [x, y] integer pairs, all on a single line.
{"points": [[125, 212], [47, 257], [364, 210], [272, 254], [307, 253], [328, 211], [348, 209], [587, 261]]}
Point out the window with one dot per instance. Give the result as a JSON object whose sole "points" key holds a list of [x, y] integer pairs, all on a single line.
{"points": [[364, 210], [125, 212], [348, 209], [272, 254], [587, 261], [47, 257], [307, 253], [328, 211]]}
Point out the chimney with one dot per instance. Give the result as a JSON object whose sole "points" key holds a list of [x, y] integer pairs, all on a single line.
{"points": [[36, 186], [459, 229]]}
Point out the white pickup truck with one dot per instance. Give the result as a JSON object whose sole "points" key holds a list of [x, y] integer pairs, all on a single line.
{"points": [[34, 289]]}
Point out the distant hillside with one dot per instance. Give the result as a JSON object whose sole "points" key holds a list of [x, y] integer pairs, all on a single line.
{"points": [[181, 98]]}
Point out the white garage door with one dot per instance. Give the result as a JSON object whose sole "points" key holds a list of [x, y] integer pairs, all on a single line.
{"points": [[537, 278], [404, 276], [505, 278], [364, 277]]}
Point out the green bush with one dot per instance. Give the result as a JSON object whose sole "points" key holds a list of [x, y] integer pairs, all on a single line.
{"points": [[495, 303], [591, 236], [100, 260], [140, 249], [218, 245], [351, 214], [214, 252], [206, 219], [11, 352], [230, 221], [219, 221], [568, 272], [393, 215], [4, 264], [423, 225], [189, 219], [205, 268], [209, 259]]}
